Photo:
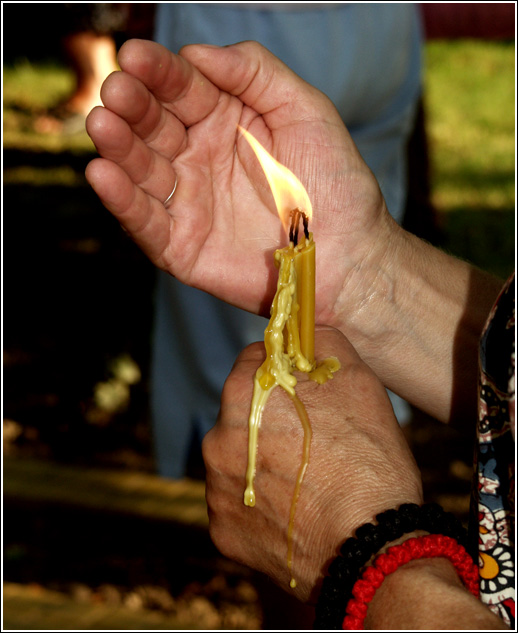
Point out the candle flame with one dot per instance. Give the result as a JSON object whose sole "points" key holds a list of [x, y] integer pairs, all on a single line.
{"points": [[288, 192]]}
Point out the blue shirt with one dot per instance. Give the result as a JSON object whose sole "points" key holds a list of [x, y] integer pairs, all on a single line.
{"points": [[367, 59]]}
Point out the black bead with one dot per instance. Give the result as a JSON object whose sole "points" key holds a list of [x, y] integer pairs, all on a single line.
{"points": [[368, 540], [352, 550], [409, 515], [341, 570], [389, 523]]}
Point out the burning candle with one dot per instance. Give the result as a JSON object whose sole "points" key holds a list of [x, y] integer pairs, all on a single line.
{"points": [[289, 338], [293, 204]]}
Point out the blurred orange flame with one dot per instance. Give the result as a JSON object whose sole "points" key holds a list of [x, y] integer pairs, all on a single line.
{"points": [[288, 191]]}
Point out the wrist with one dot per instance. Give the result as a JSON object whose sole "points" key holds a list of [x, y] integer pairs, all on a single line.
{"points": [[432, 576], [358, 552], [410, 300], [364, 311], [427, 594], [386, 565]]}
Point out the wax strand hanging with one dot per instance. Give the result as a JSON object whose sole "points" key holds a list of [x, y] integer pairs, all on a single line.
{"points": [[289, 338]]}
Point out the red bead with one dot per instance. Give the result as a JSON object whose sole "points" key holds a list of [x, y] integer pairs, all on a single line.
{"points": [[430, 546], [357, 609], [352, 624]]}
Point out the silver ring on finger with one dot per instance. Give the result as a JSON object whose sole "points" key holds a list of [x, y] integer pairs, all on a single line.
{"points": [[168, 199]]}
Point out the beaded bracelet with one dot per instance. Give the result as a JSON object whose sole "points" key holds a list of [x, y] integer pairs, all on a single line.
{"points": [[356, 552], [430, 546]]}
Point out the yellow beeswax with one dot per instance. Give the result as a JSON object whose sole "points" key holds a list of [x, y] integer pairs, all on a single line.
{"points": [[289, 338], [305, 268], [284, 355], [276, 368], [306, 425]]}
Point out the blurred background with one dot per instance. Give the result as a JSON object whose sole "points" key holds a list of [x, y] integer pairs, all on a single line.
{"points": [[93, 539]]}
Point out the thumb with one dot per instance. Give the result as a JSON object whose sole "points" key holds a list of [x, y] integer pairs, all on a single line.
{"points": [[330, 342], [261, 80]]}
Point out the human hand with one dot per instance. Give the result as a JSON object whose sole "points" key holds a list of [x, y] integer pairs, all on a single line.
{"points": [[360, 465], [168, 115]]}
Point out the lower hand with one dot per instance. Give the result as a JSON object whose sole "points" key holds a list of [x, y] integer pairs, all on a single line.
{"points": [[360, 465]]}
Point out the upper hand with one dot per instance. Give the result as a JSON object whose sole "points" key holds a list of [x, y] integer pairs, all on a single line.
{"points": [[360, 465], [168, 115]]}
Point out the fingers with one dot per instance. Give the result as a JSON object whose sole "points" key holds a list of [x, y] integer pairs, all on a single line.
{"points": [[128, 97], [331, 342], [144, 217], [116, 141], [176, 83], [147, 108], [249, 71]]}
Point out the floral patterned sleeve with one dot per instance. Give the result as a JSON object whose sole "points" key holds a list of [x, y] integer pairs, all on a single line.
{"points": [[494, 461]]}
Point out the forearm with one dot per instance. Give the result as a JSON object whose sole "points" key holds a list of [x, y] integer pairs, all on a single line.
{"points": [[426, 595], [418, 320]]}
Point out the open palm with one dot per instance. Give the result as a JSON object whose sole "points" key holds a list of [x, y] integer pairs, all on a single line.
{"points": [[175, 116]]}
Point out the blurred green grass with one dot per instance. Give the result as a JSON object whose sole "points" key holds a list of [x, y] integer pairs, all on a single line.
{"points": [[29, 89], [469, 91], [470, 106], [470, 110]]}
